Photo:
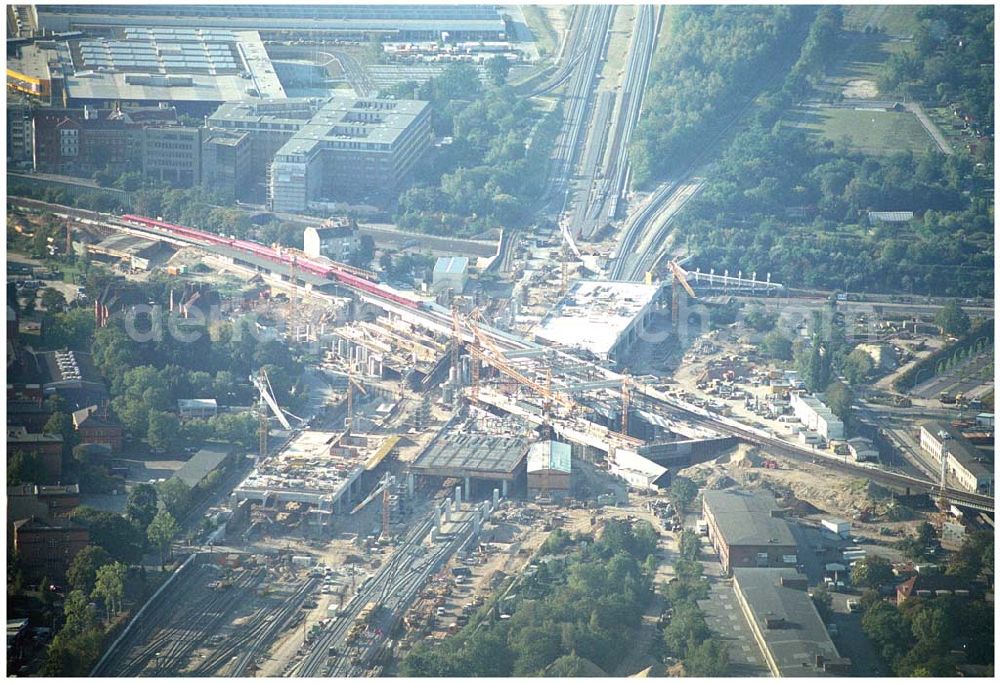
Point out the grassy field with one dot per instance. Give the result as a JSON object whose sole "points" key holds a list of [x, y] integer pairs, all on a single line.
{"points": [[899, 21], [872, 132]]}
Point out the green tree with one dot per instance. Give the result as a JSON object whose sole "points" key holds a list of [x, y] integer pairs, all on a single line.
{"points": [[498, 67], [164, 430], [568, 666], [926, 533], [53, 300], [683, 492], [78, 613], [838, 398], [109, 585], [888, 629], [25, 468], [175, 496], [858, 366], [759, 319], [162, 530], [61, 424], [82, 570], [872, 571], [777, 346], [140, 508], [824, 604], [952, 319], [112, 532], [707, 659]]}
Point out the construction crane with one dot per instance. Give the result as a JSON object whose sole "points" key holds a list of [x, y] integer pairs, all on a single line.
{"points": [[384, 488], [679, 276], [351, 383], [263, 385], [495, 358]]}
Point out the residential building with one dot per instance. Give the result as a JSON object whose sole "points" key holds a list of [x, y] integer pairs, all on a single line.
{"points": [[932, 586], [549, 470], [48, 548], [202, 408], [48, 447], [20, 141], [785, 624], [336, 239], [816, 416], [968, 466], [355, 150], [747, 530], [226, 158], [82, 140], [450, 272], [96, 425]]}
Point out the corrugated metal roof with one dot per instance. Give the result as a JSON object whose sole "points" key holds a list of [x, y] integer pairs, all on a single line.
{"points": [[451, 264]]}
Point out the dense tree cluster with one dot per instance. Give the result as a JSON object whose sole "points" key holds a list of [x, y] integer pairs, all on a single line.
{"points": [[753, 216], [778, 202], [583, 604], [950, 61], [488, 175], [717, 55]]}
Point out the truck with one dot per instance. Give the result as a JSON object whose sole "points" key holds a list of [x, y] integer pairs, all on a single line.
{"points": [[838, 526]]}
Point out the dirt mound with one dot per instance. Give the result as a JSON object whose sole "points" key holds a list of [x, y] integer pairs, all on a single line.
{"points": [[718, 481]]}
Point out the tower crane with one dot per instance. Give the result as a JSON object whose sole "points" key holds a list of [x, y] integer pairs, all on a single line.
{"points": [[351, 383], [263, 386], [679, 276]]}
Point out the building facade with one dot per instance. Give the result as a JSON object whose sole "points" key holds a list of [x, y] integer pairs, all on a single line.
{"points": [[352, 150], [964, 462], [226, 158], [450, 272], [48, 548], [549, 470], [48, 448], [816, 416], [97, 426], [172, 155], [746, 529], [336, 239]]}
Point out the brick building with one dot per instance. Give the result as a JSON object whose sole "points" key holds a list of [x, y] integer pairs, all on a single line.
{"points": [[97, 425], [47, 548], [48, 447], [746, 529]]}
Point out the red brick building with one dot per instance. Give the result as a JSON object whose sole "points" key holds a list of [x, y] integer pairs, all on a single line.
{"points": [[97, 425], [48, 447], [47, 548]]}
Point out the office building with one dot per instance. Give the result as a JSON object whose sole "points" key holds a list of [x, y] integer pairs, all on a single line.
{"points": [[968, 466], [354, 150]]}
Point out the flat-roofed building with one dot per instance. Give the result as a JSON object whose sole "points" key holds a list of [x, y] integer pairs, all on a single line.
{"points": [[202, 408], [356, 150], [970, 467], [816, 416], [602, 317], [281, 21], [746, 529], [172, 155], [47, 548], [450, 272], [785, 624], [226, 158], [862, 449]]}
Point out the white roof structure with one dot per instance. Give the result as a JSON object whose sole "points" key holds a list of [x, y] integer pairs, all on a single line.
{"points": [[595, 314], [549, 455]]}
